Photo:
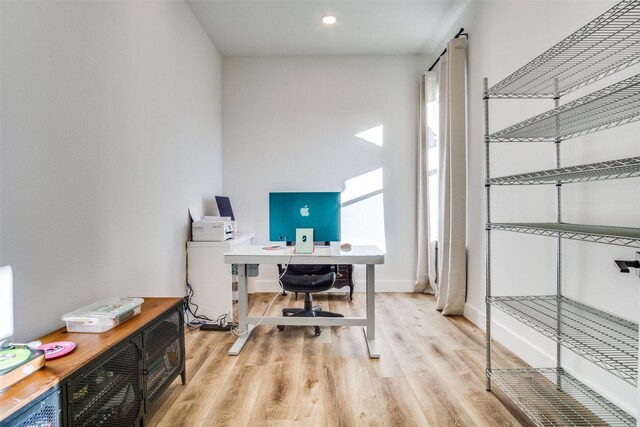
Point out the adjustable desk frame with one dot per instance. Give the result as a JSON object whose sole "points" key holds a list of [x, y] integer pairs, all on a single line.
{"points": [[249, 257]]}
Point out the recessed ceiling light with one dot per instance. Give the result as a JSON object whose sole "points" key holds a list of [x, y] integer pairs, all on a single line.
{"points": [[329, 19]]}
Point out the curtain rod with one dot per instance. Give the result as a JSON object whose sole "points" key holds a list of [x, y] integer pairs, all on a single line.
{"points": [[460, 33]]}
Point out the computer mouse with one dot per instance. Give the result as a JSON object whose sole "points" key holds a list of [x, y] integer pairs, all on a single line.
{"points": [[346, 247]]}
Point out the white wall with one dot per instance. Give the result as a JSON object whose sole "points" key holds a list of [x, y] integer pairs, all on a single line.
{"points": [[289, 124], [503, 37], [110, 131]]}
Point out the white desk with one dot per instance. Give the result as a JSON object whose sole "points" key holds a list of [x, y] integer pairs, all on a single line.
{"points": [[249, 257]]}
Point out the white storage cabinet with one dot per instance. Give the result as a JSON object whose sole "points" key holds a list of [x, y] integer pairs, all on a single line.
{"points": [[210, 277]]}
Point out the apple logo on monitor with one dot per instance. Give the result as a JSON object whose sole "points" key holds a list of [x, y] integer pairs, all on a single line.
{"points": [[304, 211]]}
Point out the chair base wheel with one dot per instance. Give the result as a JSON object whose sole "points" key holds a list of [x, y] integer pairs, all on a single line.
{"points": [[281, 327]]}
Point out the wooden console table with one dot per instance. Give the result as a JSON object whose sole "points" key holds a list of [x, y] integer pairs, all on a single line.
{"points": [[112, 377], [344, 277]]}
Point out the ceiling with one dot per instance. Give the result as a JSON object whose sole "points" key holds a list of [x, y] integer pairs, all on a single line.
{"points": [[293, 27]]}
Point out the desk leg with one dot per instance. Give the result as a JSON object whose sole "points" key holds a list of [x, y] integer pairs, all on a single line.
{"points": [[243, 311], [370, 330]]}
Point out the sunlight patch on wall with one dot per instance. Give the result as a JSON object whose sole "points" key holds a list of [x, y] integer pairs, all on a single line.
{"points": [[373, 135], [362, 186], [363, 210]]}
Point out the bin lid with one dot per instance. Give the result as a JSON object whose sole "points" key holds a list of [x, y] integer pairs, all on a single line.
{"points": [[109, 308]]}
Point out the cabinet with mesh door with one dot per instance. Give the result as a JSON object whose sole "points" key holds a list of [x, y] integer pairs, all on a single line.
{"points": [[163, 355], [45, 412], [111, 379], [109, 391]]}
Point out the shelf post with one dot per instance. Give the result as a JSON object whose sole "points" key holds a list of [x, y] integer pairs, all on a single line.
{"points": [[556, 100], [487, 186]]}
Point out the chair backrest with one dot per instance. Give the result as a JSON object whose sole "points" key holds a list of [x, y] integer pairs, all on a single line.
{"points": [[309, 269]]}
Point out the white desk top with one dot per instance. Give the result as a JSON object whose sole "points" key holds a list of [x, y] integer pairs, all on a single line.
{"points": [[321, 255]]}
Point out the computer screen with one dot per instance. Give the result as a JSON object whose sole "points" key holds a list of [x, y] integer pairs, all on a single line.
{"points": [[320, 211], [6, 303], [224, 207]]}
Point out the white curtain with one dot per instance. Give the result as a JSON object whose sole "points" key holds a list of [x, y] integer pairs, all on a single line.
{"points": [[449, 94], [452, 262]]}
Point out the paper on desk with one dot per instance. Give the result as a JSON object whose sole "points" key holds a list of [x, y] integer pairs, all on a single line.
{"points": [[195, 214]]}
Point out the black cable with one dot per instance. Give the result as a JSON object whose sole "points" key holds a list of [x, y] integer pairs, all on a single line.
{"points": [[198, 319], [190, 307]]}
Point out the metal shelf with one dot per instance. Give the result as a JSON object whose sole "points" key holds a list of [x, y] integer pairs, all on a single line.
{"points": [[613, 169], [602, 338], [612, 106], [604, 46], [535, 391], [621, 236]]}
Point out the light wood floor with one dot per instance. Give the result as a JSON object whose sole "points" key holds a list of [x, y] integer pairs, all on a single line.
{"points": [[431, 372]]}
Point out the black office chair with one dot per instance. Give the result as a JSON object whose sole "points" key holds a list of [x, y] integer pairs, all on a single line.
{"points": [[308, 278]]}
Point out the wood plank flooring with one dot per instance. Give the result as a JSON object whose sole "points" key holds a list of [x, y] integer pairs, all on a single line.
{"points": [[431, 372]]}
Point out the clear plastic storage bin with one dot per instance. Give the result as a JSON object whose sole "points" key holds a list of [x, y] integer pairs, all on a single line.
{"points": [[102, 315]]}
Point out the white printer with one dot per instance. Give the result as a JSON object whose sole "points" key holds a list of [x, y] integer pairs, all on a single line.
{"points": [[212, 229]]}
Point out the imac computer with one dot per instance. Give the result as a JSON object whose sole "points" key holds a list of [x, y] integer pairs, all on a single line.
{"points": [[319, 211], [17, 360]]}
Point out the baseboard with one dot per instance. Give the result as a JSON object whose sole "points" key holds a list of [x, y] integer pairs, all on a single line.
{"points": [[526, 350], [520, 343], [360, 286], [474, 315]]}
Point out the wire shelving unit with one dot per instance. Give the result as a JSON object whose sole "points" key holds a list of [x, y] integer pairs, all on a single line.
{"points": [[613, 169], [608, 44], [535, 391], [612, 106], [621, 236], [609, 341]]}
